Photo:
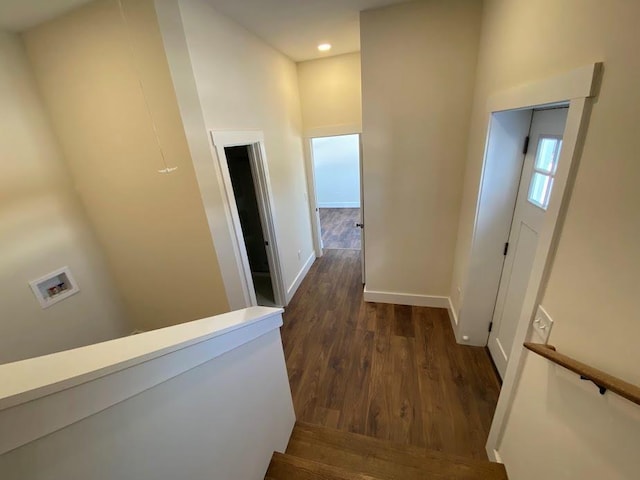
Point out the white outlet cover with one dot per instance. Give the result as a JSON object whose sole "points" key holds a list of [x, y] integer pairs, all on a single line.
{"points": [[542, 324]]}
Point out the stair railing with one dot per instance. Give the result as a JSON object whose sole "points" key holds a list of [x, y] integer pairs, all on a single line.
{"points": [[602, 380]]}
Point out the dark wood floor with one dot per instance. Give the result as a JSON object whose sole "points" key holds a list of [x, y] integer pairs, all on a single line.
{"points": [[387, 371], [338, 227]]}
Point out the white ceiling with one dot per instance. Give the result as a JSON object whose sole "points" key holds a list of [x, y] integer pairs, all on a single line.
{"points": [[295, 27]]}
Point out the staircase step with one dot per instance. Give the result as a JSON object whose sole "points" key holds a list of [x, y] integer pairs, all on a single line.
{"points": [[289, 467], [385, 460]]}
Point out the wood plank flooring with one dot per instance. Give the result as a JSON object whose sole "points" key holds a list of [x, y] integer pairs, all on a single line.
{"points": [[338, 227], [387, 371], [313, 448]]}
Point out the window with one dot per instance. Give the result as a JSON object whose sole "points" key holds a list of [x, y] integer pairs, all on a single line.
{"points": [[544, 170]]}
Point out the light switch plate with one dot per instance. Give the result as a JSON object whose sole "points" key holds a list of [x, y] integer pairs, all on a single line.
{"points": [[542, 324]]}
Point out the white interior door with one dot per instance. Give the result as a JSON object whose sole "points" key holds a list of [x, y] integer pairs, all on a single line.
{"points": [[313, 196], [261, 186], [536, 185], [361, 224]]}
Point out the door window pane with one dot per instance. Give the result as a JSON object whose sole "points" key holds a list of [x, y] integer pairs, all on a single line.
{"points": [[547, 155], [544, 169], [540, 189]]}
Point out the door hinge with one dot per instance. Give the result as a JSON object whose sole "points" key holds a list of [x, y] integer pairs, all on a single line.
{"points": [[506, 249], [525, 148], [490, 326]]}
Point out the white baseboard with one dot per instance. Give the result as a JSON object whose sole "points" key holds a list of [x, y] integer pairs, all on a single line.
{"points": [[453, 317], [291, 291], [339, 205], [433, 301], [396, 298], [452, 314], [494, 455]]}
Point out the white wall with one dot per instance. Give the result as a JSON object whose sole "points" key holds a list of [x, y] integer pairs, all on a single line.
{"points": [[43, 227], [89, 64], [418, 67], [331, 93], [228, 79], [575, 432], [593, 285], [337, 171], [200, 424]]}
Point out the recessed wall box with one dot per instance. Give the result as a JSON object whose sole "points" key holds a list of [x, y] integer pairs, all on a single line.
{"points": [[54, 287]]}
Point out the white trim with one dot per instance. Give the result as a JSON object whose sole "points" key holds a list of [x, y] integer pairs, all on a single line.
{"points": [[308, 136], [452, 314], [312, 197], [66, 387], [300, 277], [266, 203], [363, 243], [259, 166], [576, 86], [580, 82], [333, 130], [494, 456], [398, 298], [339, 205]]}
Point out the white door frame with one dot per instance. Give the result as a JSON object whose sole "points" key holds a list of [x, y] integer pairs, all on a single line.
{"points": [[313, 197], [254, 140], [362, 239], [501, 292], [309, 135], [576, 88]]}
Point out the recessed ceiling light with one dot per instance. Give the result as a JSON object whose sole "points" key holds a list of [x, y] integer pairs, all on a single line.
{"points": [[324, 47]]}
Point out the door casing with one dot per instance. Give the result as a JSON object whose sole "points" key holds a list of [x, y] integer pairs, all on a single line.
{"points": [[575, 88], [311, 185], [553, 120], [254, 140]]}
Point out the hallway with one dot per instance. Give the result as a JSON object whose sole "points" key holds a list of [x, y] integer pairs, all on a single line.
{"points": [[388, 371]]}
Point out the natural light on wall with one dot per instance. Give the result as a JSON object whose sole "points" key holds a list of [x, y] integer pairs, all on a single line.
{"points": [[337, 171]]}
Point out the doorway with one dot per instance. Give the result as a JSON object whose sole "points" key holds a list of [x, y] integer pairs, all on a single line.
{"points": [[543, 146], [508, 121], [253, 230], [249, 210], [337, 191]]}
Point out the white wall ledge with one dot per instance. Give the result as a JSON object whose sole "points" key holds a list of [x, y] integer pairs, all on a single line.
{"points": [[29, 379], [68, 386]]}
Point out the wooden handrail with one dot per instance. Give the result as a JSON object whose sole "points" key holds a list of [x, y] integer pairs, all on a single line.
{"points": [[603, 380]]}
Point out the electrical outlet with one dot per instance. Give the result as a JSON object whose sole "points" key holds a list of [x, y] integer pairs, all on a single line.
{"points": [[542, 324], [299, 254]]}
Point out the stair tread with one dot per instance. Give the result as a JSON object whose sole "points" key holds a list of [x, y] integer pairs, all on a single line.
{"points": [[289, 467], [386, 460]]}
